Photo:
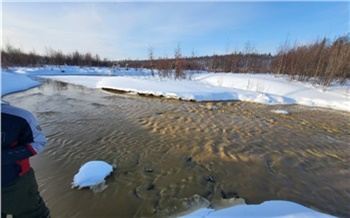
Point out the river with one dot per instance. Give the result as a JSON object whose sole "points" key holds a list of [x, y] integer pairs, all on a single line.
{"points": [[167, 151]]}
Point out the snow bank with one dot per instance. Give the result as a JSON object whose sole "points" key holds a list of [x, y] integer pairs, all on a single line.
{"points": [[266, 209], [13, 82], [260, 88]]}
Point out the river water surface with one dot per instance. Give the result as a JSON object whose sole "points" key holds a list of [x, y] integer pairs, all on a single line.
{"points": [[167, 151]]}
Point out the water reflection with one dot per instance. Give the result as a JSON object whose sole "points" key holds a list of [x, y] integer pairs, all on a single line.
{"points": [[214, 150]]}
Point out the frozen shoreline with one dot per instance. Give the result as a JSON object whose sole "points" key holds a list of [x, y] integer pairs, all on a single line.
{"points": [[259, 88]]}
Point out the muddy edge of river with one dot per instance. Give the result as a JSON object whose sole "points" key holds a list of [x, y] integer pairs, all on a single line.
{"points": [[167, 151]]}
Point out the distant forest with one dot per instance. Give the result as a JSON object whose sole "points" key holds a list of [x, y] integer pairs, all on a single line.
{"points": [[322, 61]]}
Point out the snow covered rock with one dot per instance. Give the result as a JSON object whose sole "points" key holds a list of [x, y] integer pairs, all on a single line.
{"points": [[92, 174], [280, 112]]}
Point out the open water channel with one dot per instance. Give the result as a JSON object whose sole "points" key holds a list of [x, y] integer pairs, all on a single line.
{"points": [[167, 151]]}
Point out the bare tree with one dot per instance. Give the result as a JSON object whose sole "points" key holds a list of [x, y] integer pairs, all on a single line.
{"points": [[151, 59], [179, 63]]}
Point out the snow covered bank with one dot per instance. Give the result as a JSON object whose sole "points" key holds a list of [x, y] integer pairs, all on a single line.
{"points": [[11, 82], [260, 88], [266, 209], [273, 89]]}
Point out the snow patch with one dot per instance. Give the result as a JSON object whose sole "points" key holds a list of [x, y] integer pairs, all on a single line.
{"points": [[92, 174]]}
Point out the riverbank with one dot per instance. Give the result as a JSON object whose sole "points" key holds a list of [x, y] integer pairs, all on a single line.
{"points": [[200, 86]]}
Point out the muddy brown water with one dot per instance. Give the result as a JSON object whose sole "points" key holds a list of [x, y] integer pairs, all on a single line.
{"points": [[168, 151]]}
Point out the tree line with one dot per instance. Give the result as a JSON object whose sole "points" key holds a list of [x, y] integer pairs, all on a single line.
{"points": [[323, 61], [12, 56]]}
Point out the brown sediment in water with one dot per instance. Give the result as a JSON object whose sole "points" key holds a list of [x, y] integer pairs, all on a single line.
{"points": [[148, 95], [169, 151]]}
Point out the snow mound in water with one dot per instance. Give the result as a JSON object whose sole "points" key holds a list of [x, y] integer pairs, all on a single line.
{"points": [[92, 174]]}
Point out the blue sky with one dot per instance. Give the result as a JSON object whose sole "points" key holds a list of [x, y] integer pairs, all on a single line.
{"points": [[126, 30]]}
